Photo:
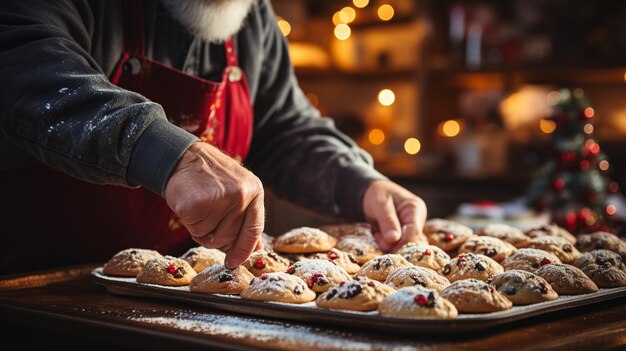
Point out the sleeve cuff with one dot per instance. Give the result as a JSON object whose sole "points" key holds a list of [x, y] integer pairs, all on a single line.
{"points": [[354, 182], [156, 154]]}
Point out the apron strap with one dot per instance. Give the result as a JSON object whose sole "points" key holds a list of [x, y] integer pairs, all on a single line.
{"points": [[133, 41], [231, 54]]}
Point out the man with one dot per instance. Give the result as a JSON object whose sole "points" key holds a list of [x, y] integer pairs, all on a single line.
{"points": [[88, 89]]}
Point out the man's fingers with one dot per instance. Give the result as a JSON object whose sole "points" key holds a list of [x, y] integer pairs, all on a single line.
{"points": [[388, 222], [249, 234]]}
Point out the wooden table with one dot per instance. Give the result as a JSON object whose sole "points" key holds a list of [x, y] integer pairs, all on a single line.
{"points": [[66, 307]]}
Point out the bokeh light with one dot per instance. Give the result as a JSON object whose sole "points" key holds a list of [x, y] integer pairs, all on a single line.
{"points": [[385, 12], [360, 3], [547, 126], [284, 26], [386, 97], [376, 136], [342, 31], [449, 128], [412, 146]]}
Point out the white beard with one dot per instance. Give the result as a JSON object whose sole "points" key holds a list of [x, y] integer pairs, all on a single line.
{"points": [[211, 20]]}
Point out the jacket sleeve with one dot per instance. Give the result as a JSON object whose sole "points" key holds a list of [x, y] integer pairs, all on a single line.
{"points": [[58, 105], [299, 155]]}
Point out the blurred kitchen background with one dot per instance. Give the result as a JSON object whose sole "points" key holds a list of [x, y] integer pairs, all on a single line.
{"points": [[451, 97]]}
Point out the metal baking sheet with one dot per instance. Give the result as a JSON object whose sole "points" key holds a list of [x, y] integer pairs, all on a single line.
{"points": [[308, 312]]}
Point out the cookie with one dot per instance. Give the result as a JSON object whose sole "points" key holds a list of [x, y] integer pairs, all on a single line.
{"points": [[304, 240], [412, 275], [268, 241], [506, 233], [347, 229], [523, 288], [445, 234], [129, 262], [602, 241], [363, 247], [279, 287], [319, 275], [529, 260], [380, 267], [551, 230], [218, 279], [604, 267], [556, 245], [342, 259], [200, 258], [265, 261], [566, 279], [166, 270], [475, 296], [427, 256], [466, 266], [493, 248], [416, 302], [361, 294]]}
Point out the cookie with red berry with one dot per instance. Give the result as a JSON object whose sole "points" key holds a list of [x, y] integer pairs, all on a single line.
{"points": [[363, 247], [506, 233], [604, 267], [445, 234], [320, 275], [427, 256], [280, 287], [361, 294], [493, 248], [566, 279], [475, 296], [129, 262], [218, 279], [602, 241], [523, 288], [529, 260], [166, 270], [342, 259], [265, 261], [304, 240], [466, 266], [380, 267], [552, 230], [200, 258], [416, 302], [412, 275], [556, 245]]}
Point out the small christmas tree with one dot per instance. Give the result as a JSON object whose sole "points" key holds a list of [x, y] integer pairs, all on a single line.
{"points": [[574, 183]]}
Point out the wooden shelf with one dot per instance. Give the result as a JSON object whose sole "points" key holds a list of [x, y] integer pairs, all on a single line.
{"points": [[361, 75]]}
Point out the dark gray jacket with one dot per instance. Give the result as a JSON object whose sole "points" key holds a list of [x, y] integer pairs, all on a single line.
{"points": [[58, 106]]}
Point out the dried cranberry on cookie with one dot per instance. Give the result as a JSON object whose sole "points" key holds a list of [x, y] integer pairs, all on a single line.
{"points": [[445, 234]]}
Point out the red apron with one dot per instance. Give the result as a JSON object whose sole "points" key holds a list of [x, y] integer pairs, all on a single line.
{"points": [[54, 219]]}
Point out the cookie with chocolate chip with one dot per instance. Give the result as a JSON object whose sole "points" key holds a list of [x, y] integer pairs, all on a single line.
{"points": [[218, 279], [320, 275], [304, 240], [523, 288], [361, 294], [200, 257], [493, 248], [166, 270], [556, 245], [427, 256], [416, 302], [342, 259], [363, 247], [280, 287], [529, 260], [604, 267], [380, 267], [551, 230], [566, 279], [602, 241], [475, 296], [445, 234], [466, 266], [506, 233], [412, 275], [265, 261], [129, 262]]}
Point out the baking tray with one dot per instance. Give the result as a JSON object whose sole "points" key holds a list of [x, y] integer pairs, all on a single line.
{"points": [[308, 312]]}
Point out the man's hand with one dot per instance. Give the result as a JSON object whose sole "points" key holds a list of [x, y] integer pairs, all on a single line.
{"points": [[399, 214], [218, 201]]}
